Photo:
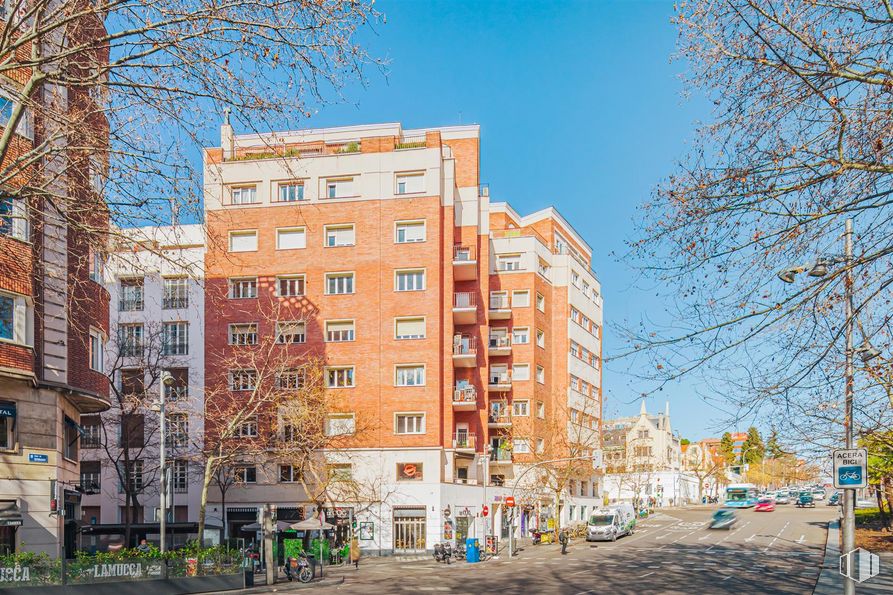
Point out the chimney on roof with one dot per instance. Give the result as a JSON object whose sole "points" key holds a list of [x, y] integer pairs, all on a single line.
{"points": [[226, 136]]}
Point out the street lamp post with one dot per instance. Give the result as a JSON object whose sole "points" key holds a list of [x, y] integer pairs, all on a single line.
{"points": [[162, 455], [866, 352]]}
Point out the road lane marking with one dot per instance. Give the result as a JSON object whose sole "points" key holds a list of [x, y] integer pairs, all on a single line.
{"points": [[802, 537], [646, 574], [727, 578]]}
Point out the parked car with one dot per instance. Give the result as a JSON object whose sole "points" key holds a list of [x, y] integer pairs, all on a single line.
{"points": [[834, 500], [610, 523], [782, 497], [818, 494], [805, 499], [765, 505]]}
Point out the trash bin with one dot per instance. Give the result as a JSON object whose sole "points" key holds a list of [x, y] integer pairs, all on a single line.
{"points": [[249, 577], [472, 550]]}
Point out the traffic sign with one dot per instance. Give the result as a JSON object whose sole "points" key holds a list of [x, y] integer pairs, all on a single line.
{"points": [[509, 501], [485, 511], [850, 467]]}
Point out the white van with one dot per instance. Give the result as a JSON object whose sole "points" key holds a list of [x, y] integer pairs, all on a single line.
{"points": [[607, 524]]}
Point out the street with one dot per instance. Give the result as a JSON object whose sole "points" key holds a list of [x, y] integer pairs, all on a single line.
{"points": [[671, 552]]}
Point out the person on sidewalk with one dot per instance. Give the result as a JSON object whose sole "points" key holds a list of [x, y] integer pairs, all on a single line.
{"points": [[563, 539], [355, 552]]}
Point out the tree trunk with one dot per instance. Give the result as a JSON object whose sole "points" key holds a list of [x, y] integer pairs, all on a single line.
{"points": [[203, 505], [880, 504], [888, 493]]}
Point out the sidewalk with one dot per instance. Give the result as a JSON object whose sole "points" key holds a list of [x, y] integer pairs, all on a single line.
{"points": [[831, 582]]}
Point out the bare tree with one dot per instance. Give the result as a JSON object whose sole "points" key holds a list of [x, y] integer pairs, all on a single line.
{"points": [[799, 141]]}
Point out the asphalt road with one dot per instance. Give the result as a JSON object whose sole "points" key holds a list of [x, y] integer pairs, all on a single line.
{"points": [[671, 552]]}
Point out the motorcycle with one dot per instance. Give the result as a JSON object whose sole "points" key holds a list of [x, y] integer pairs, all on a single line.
{"points": [[443, 552], [537, 536], [298, 567], [460, 551]]}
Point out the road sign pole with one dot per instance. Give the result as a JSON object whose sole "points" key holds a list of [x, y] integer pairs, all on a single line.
{"points": [[849, 494]]}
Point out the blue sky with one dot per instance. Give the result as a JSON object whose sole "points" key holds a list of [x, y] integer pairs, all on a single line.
{"points": [[580, 107]]}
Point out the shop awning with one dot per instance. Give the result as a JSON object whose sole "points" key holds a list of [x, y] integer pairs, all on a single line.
{"points": [[10, 515]]}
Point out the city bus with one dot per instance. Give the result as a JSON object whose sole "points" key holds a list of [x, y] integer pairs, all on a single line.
{"points": [[741, 495]]}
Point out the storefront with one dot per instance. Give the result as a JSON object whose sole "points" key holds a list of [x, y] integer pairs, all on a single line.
{"points": [[10, 521], [410, 526]]}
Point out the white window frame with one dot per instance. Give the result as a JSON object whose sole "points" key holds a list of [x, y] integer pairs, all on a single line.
{"points": [[242, 233], [419, 371], [525, 300], [520, 376], [298, 279], [541, 409], [411, 223], [299, 332], [340, 188], [541, 338], [243, 189], [400, 319], [246, 335], [351, 333], [502, 296], [97, 350], [523, 332], [15, 222], [296, 232], [540, 374], [293, 474], [22, 319], [353, 285], [521, 446], [420, 426], [502, 260], [540, 302], [243, 471], [409, 183], [351, 426], [248, 374], [180, 347], [247, 288], [335, 227], [413, 273], [337, 369], [521, 408], [300, 193]]}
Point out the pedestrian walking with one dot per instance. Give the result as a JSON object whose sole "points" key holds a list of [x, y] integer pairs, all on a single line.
{"points": [[355, 552], [563, 539]]}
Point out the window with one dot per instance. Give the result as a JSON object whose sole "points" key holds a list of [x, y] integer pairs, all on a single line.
{"points": [[16, 317], [540, 339], [288, 474], [341, 424], [410, 183], [521, 336], [409, 232], [340, 377], [133, 382], [339, 330], [521, 408], [90, 425], [242, 289], [521, 372], [91, 475], [339, 187], [291, 238], [131, 295], [410, 280], [410, 423], [7, 105], [409, 328], [177, 429], [499, 300], [290, 286], [409, 471], [575, 416], [243, 241], [339, 283], [96, 351], [132, 431], [540, 445], [131, 337], [175, 293], [70, 437], [248, 428], [341, 472], [245, 474], [134, 474], [176, 384], [242, 379], [290, 332], [410, 375], [7, 425], [291, 191], [243, 334], [575, 279], [175, 337], [540, 410], [508, 262], [95, 264], [14, 218], [540, 375], [520, 299], [540, 302], [340, 235], [521, 446], [542, 268], [243, 195], [180, 476]]}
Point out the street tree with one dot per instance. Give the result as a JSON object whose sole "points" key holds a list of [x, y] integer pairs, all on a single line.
{"points": [[727, 447], [753, 449], [798, 142]]}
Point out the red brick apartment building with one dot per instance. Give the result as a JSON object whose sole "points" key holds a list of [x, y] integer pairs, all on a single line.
{"points": [[53, 308], [462, 340]]}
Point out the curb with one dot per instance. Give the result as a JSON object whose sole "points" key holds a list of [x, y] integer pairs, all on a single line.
{"points": [[830, 582], [286, 587]]}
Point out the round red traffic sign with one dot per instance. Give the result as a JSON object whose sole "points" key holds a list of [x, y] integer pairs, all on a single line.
{"points": [[485, 511], [510, 501]]}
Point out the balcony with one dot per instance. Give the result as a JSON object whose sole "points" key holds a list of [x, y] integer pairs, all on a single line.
{"points": [[500, 456], [500, 345], [465, 399], [465, 309], [500, 381], [464, 351], [500, 309], [464, 441], [499, 420], [465, 265]]}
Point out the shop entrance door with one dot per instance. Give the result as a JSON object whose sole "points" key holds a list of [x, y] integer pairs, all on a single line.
{"points": [[409, 530]]}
